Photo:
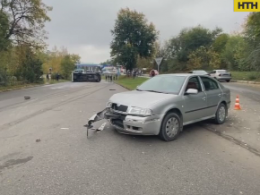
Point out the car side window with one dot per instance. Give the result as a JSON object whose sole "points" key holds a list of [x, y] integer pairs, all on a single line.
{"points": [[194, 83], [209, 84]]}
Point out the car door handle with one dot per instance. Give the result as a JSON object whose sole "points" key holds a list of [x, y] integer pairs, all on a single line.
{"points": [[204, 98], [219, 95]]}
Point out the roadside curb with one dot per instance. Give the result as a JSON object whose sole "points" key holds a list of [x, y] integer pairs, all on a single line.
{"points": [[123, 86], [246, 82]]}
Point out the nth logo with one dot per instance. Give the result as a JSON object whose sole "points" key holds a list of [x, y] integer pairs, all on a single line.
{"points": [[247, 6]]}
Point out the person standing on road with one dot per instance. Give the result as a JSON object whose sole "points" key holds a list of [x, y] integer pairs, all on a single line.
{"points": [[152, 73], [134, 74]]}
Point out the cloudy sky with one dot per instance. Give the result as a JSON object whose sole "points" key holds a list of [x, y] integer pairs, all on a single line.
{"points": [[83, 26]]}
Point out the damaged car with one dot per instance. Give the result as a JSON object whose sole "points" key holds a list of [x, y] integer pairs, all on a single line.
{"points": [[164, 104]]}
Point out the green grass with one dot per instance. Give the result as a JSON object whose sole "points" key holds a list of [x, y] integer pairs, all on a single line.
{"points": [[130, 83], [17, 86], [245, 75], [20, 85]]}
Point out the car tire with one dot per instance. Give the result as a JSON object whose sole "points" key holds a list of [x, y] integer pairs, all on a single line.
{"points": [[170, 120], [228, 80], [221, 114]]}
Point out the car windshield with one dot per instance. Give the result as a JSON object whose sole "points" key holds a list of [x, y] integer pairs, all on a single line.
{"points": [[92, 69], [79, 70], [200, 72], [163, 84], [222, 71]]}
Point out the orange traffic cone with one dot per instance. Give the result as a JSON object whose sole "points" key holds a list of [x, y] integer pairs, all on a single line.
{"points": [[237, 104]]}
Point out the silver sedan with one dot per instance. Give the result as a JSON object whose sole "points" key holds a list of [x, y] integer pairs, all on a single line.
{"points": [[164, 104]]}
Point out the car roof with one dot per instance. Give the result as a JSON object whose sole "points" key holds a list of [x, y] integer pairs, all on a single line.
{"points": [[182, 75], [176, 74]]}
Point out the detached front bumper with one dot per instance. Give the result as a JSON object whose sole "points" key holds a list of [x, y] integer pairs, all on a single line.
{"points": [[129, 124]]}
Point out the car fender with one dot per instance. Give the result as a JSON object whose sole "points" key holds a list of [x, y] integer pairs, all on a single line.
{"points": [[224, 99], [169, 108]]}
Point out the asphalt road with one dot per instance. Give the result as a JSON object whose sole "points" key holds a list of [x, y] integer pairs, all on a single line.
{"points": [[44, 150], [251, 91]]}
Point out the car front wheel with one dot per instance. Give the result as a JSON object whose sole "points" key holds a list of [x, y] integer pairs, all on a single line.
{"points": [[221, 114], [171, 127]]}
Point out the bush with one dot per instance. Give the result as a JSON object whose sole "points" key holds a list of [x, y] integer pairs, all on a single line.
{"points": [[3, 77]]}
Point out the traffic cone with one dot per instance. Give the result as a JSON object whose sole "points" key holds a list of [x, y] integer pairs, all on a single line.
{"points": [[237, 104]]}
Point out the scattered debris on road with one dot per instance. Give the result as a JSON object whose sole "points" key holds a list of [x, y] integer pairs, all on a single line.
{"points": [[27, 97], [38, 140], [101, 128]]}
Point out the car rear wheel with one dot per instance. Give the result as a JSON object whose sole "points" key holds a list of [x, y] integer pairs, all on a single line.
{"points": [[171, 127], [221, 114]]}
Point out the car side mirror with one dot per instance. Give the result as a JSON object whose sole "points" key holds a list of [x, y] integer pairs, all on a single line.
{"points": [[191, 91]]}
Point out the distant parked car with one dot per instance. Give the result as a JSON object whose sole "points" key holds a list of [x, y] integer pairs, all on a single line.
{"points": [[165, 103], [221, 75], [199, 72]]}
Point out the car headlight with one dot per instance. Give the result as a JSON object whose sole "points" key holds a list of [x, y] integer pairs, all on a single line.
{"points": [[139, 111], [109, 104]]}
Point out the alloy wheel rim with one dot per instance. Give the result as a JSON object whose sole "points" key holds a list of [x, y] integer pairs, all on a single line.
{"points": [[172, 127]]}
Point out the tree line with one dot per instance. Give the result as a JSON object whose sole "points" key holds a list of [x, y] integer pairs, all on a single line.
{"points": [[135, 44], [24, 57]]}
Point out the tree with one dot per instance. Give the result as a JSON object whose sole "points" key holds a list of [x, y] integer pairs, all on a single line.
{"points": [[133, 37], [4, 27], [252, 36], [30, 67], [220, 42], [252, 28], [68, 65], [109, 62], [235, 53], [26, 21], [204, 58], [189, 40]]}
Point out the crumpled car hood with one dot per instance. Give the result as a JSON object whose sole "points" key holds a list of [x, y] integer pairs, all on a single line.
{"points": [[143, 99]]}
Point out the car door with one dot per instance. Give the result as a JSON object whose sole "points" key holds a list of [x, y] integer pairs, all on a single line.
{"points": [[194, 103], [213, 92]]}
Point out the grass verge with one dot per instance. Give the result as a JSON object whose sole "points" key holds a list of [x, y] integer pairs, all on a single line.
{"points": [[17, 86], [130, 83], [246, 75]]}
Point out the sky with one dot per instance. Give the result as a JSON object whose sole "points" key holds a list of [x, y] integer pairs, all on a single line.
{"points": [[84, 26]]}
